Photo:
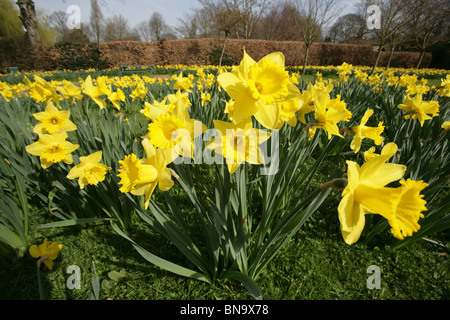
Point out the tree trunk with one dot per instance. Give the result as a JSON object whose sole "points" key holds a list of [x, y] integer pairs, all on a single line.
{"points": [[390, 58], [28, 16], [422, 53], [306, 59], [223, 51], [377, 60]]}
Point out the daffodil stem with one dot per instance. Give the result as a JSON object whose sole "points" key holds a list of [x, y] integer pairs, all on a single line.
{"points": [[338, 184], [39, 262]]}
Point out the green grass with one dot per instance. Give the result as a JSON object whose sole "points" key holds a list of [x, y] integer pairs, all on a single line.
{"points": [[315, 265]]}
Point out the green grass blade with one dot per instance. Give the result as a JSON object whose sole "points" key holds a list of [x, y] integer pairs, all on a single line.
{"points": [[251, 286], [162, 263], [72, 222]]}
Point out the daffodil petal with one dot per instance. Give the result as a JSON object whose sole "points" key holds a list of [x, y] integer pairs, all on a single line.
{"points": [[34, 251], [276, 57], [245, 65], [351, 217], [269, 116]]}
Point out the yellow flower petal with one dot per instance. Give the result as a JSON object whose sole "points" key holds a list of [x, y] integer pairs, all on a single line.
{"points": [[34, 251]]}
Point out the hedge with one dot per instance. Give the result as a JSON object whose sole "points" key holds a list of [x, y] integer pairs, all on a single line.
{"points": [[193, 52]]}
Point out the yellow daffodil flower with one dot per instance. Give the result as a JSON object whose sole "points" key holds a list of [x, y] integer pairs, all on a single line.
{"points": [[361, 75], [89, 171], [288, 110], [175, 98], [130, 171], [139, 92], [6, 91], [182, 83], [362, 131], [414, 89], [407, 79], [344, 71], [41, 90], [94, 92], [366, 193], [205, 98], [238, 143], [257, 87], [52, 120], [444, 89], [229, 108], [155, 109], [140, 176], [308, 96], [328, 112], [416, 108], [52, 148], [70, 91], [175, 131], [115, 97], [446, 126], [48, 91], [48, 250]]}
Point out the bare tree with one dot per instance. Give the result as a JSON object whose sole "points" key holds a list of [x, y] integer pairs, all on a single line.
{"points": [[157, 26], [206, 27], [394, 40], [428, 25], [96, 20], [242, 15], [224, 16], [394, 14], [58, 21], [144, 31], [311, 17], [348, 28], [27, 14], [117, 29], [253, 11], [187, 26], [278, 23]]}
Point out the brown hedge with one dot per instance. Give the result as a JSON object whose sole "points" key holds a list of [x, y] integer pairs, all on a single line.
{"points": [[197, 52]]}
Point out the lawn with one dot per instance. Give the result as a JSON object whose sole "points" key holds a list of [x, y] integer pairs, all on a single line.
{"points": [[289, 245], [316, 265]]}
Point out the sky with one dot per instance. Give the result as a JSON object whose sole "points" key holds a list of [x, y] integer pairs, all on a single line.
{"points": [[137, 11]]}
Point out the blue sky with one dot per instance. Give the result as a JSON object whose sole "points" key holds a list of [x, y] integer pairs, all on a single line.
{"points": [[134, 10], [137, 11]]}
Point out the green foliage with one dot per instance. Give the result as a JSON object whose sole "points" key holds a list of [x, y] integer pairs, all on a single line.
{"points": [[10, 24], [77, 56], [47, 33], [216, 53]]}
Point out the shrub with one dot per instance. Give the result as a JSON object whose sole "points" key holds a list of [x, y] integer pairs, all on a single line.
{"points": [[77, 56]]}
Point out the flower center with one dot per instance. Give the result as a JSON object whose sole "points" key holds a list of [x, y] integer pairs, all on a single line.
{"points": [[163, 131], [268, 81], [54, 153], [129, 172], [260, 87], [95, 174]]}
